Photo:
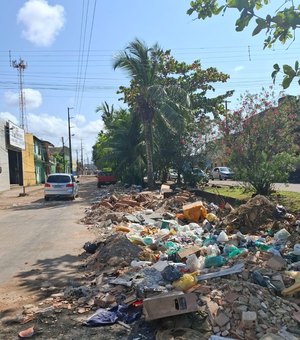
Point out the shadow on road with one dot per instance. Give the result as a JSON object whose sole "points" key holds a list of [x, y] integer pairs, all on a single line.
{"points": [[50, 275]]}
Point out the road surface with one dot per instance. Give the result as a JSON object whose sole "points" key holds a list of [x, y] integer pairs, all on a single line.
{"points": [[40, 244]]}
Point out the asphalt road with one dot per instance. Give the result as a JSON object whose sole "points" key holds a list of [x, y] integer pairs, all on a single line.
{"points": [[41, 241], [278, 186]]}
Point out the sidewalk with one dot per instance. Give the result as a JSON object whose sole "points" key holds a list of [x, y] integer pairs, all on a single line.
{"points": [[16, 190]]}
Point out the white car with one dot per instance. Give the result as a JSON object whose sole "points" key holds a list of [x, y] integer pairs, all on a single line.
{"points": [[61, 185], [222, 172]]}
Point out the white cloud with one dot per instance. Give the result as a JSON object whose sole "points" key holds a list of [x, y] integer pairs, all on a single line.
{"points": [[80, 118], [33, 98], [41, 22], [8, 116], [239, 68]]}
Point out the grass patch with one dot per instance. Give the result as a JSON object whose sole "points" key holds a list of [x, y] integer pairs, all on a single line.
{"points": [[290, 200], [234, 192]]}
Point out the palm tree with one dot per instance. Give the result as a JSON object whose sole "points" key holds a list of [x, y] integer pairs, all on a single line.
{"points": [[147, 94]]}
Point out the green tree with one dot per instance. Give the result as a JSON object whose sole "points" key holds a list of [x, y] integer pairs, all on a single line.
{"points": [[259, 140], [280, 26], [147, 94], [120, 147]]}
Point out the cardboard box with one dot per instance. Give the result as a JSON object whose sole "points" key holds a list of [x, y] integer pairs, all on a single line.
{"points": [[182, 254], [193, 212], [169, 304]]}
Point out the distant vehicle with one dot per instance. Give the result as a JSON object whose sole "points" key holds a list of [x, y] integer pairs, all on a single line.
{"points": [[173, 175], [222, 173], [200, 175], [105, 177], [61, 185]]}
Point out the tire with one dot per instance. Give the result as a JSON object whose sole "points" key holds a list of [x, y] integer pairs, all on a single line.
{"points": [[73, 198], [46, 198]]}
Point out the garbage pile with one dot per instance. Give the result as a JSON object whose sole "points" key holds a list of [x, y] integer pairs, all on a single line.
{"points": [[237, 269], [191, 268]]}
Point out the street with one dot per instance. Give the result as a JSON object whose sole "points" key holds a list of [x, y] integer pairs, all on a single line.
{"points": [[40, 243]]}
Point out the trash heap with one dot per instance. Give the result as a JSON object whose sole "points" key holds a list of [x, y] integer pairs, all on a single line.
{"points": [[190, 268], [237, 268]]}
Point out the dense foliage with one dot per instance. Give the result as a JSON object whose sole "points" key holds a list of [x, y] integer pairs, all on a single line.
{"points": [[259, 139]]}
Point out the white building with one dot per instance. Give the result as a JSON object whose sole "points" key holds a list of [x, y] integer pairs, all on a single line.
{"points": [[4, 162]]}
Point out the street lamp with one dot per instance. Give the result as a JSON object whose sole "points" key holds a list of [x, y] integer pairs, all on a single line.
{"points": [[70, 143]]}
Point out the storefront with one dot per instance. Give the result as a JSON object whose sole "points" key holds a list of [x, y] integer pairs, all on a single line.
{"points": [[15, 145]]}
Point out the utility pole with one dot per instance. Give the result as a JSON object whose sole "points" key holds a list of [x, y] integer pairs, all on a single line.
{"points": [[63, 145], [81, 156], [21, 66], [77, 166], [70, 143]]}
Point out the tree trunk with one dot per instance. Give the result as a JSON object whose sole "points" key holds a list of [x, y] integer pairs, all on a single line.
{"points": [[149, 152]]}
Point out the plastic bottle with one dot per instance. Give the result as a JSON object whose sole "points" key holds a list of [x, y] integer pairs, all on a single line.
{"points": [[214, 261], [262, 246]]}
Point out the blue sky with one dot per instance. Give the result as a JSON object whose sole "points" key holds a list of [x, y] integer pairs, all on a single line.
{"points": [[69, 46]]}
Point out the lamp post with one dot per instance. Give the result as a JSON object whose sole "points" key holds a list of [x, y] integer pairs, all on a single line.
{"points": [[70, 143]]}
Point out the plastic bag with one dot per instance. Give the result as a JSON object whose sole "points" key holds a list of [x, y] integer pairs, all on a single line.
{"points": [[193, 263], [186, 282], [214, 261], [222, 237]]}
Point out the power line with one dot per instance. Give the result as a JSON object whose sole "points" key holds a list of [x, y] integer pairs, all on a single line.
{"points": [[87, 58]]}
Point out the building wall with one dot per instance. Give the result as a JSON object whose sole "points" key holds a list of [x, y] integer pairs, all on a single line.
{"points": [[28, 161], [4, 174]]}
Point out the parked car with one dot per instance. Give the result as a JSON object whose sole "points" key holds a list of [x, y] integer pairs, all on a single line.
{"points": [[173, 175], [105, 177], [60, 185], [222, 172]]}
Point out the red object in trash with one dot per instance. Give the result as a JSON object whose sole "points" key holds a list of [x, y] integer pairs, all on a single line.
{"points": [[222, 205], [137, 303], [27, 333]]}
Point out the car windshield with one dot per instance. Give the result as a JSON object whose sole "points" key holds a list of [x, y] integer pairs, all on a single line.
{"points": [[225, 169], [104, 173], [58, 179]]}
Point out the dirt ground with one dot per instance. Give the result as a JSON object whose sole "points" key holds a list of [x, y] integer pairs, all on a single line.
{"points": [[62, 323]]}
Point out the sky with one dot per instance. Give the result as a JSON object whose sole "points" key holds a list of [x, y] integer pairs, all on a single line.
{"points": [[68, 47]]}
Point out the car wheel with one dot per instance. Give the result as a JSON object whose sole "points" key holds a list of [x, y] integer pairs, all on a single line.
{"points": [[46, 198], [73, 198]]}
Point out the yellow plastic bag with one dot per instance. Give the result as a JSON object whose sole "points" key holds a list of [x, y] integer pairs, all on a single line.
{"points": [[186, 282]]}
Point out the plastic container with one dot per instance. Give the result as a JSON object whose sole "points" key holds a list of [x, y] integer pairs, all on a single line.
{"points": [[214, 261], [282, 235]]}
